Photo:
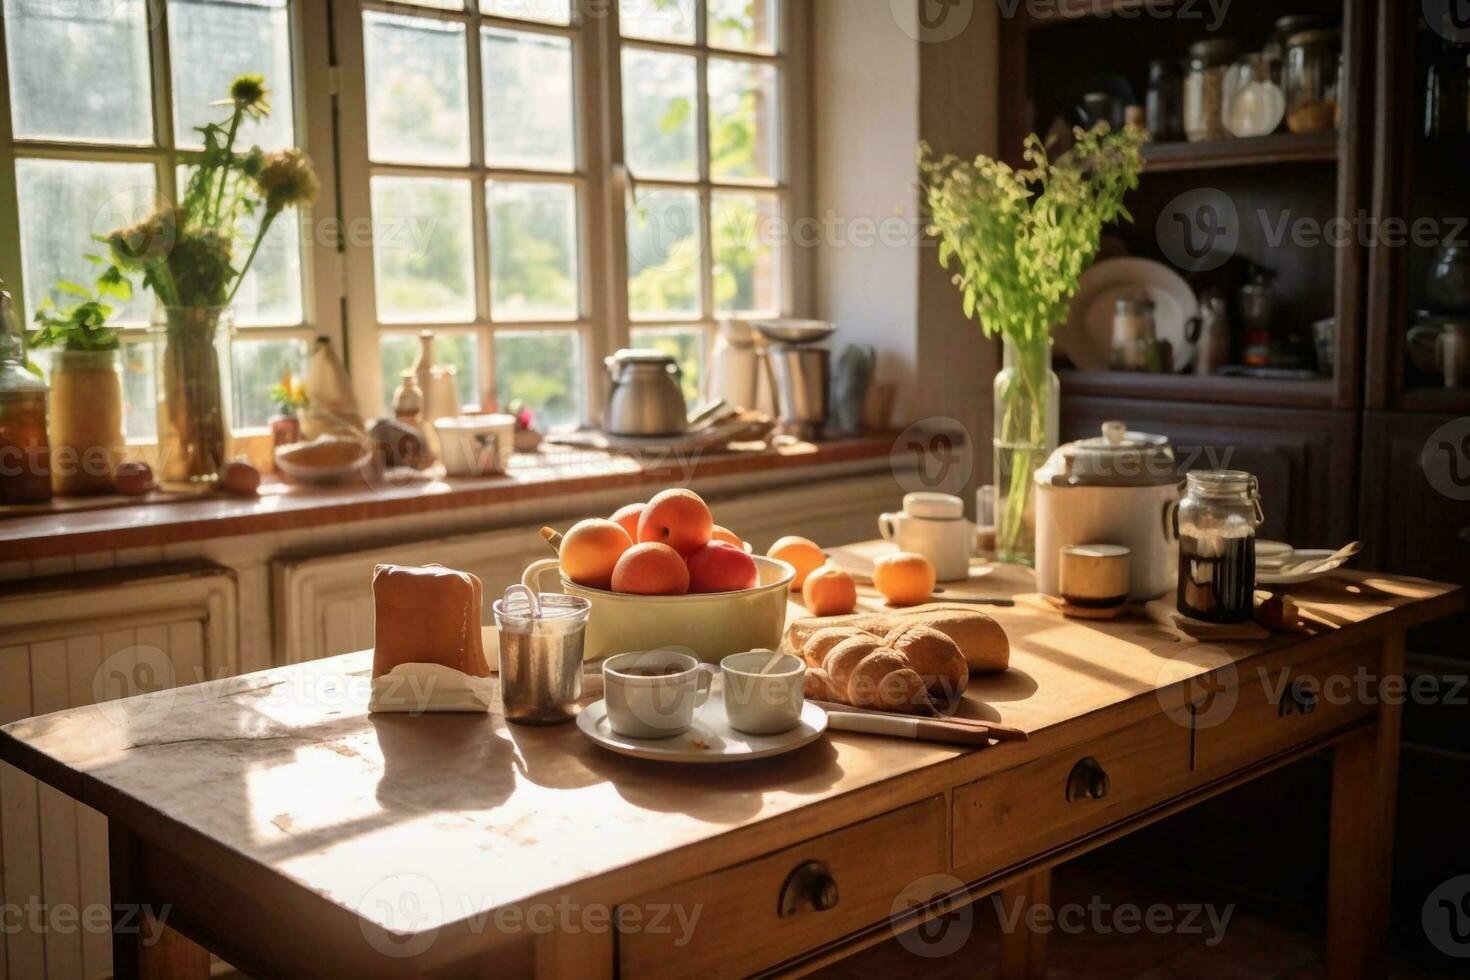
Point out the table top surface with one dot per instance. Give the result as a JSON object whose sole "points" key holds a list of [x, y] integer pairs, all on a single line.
{"points": [[286, 768]]}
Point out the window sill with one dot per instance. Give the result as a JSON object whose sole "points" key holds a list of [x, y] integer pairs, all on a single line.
{"points": [[72, 526]]}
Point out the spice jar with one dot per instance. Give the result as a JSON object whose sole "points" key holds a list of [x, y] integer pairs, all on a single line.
{"points": [[1218, 518], [1256, 104], [25, 453], [1312, 80], [1205, 85], [1164, 112]]}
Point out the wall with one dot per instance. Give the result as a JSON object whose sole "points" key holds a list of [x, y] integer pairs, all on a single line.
{"points": [[865, 83]]}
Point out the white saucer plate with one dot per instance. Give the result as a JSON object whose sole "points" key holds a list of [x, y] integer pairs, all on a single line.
{"points": [[710, 740], [1269, 577]]}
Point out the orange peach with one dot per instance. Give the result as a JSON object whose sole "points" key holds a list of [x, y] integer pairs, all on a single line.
{"points": [[829, 591], [722, 567], [628, 517], [904, 578], [801, 554], [677, 518], [590, 551], [726, 535], [651, 568]]}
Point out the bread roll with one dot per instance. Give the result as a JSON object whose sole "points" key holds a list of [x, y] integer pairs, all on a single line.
{"points": [[934, 657], [903, 691], [869, 685], [816, 648], [818, 688], [844, 658], [981, 639], [428, 615]]}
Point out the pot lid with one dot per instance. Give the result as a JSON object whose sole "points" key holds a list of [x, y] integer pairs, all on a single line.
{"points": [[1117, 458]]}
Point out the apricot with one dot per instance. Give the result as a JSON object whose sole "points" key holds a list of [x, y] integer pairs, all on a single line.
{"points": [[801, 554], [722, 567], [904, 578], [651, 568], [677, 518], [628, 517], [829, 591], [590, 551], [726, 535]]}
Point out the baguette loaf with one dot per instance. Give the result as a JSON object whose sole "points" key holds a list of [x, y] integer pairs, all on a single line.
{"points": [[981, 639]]}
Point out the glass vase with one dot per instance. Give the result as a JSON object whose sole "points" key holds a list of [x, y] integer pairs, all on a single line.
{"points": [[1027, 407], [192, 350], [86, 421]]}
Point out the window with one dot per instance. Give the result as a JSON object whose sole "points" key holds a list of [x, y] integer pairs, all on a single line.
{"points": [[496, 199], [97, 134]]}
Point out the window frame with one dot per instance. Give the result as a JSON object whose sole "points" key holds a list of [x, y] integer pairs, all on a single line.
{"points": [[321, 309], [603, 181]]}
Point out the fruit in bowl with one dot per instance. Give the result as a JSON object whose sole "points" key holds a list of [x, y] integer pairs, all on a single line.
{"points": [[681, 581]]}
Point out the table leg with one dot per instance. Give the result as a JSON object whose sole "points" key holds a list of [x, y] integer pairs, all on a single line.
{"points": [[1023, 949], [143, 946], [1365, 771]]}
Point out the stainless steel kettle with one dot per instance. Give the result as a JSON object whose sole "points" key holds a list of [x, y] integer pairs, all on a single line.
{"points": [[645, 398]]}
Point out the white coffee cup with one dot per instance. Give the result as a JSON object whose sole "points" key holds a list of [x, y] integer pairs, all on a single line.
{"points": [[764, 691], [654, 694], [933, 525]]}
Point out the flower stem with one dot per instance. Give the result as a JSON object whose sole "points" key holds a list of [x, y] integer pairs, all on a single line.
{"points": [[224, 173], [265, 225]]}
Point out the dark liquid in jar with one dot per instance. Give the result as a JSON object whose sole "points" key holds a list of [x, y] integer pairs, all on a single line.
{"points": [[1217, 578]]}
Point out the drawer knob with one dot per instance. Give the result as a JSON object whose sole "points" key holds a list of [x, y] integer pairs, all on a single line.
{"points": [[1088, 781], [1299, 698], [811, 885]]}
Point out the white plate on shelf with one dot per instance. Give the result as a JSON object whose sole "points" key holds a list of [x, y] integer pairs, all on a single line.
{"points": [[1272, 577], [711, 739], [1087, 336]]}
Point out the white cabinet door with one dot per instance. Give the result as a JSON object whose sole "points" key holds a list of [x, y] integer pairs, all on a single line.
{"points": [[109, 638]]}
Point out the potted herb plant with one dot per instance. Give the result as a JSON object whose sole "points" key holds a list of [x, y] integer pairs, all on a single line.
{"points": [[1019, 241], [86, 389], [186, 255]]}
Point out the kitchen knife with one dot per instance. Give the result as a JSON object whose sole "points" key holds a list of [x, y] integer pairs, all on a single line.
{"points": [[904, 726]]}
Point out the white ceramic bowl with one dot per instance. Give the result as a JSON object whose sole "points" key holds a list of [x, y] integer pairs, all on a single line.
{"points": [[713, 626]]}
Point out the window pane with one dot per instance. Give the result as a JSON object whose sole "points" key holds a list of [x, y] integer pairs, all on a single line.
{"points": [[659, 117], [417, 93], [140, 396], [657, 20], [745, 25], [460, 351], [528, 100], [211, 43], [543, 369], [547, 11], [533, 251], [79, 71], [744, 113], [423, 249], [663, 255], [686, 346], [63, 204], [259, 365], [746, 232]]}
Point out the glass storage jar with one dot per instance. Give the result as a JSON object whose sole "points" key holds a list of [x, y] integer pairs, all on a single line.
{"points": [[1205, 89], [1256, 104], [1217, 524], [86, 421], [1163, 110], [1312, 62], [25, 452]]}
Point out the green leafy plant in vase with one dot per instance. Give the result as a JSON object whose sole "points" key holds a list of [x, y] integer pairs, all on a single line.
{"points": [[185, 254], [86, 419], [1018, 241]]}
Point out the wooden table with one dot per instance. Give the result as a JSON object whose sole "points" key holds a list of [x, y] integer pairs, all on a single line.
{"points": [[283, 828]]}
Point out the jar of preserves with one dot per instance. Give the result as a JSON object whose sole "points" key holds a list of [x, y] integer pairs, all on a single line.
{"points": [[25, 452], [1205, 89], [1218, 518], [1312, 68]]}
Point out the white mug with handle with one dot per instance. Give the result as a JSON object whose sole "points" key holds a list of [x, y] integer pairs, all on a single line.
{"points": [[933, 525]]}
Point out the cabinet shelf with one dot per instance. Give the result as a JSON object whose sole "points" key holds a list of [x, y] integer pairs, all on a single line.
{"points": [[1278, 148], [1437, 400], [1314, 393]]}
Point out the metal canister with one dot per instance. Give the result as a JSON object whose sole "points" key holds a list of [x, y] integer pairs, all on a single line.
{"points": [[541, 639]]}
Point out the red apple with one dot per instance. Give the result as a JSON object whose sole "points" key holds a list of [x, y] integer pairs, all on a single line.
{"points": [[721, 567]]}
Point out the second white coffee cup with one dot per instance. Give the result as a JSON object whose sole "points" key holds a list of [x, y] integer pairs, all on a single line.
{"points": [[764, 691], [654, 694]]}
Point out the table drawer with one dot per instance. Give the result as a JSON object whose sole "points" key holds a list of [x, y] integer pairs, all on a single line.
{"points": [[1272, 710], [854, 873], [1022, 812]]}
